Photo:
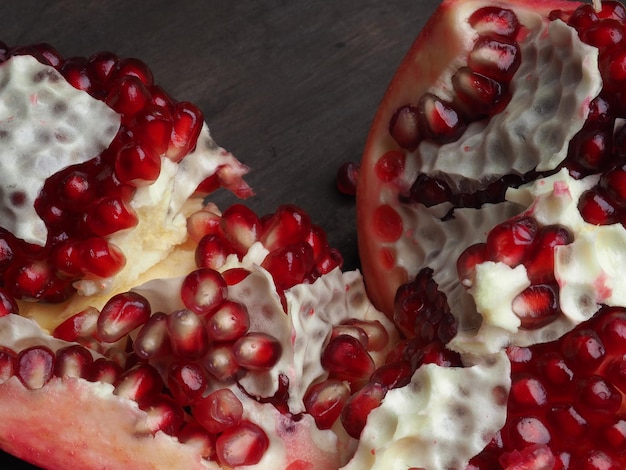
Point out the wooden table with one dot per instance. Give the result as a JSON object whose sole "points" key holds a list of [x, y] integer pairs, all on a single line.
{"points": [[290, 87]]}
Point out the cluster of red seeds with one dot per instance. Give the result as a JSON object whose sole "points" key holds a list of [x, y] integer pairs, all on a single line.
{"points": [[522, 241], [83, 204], [567, 401]]}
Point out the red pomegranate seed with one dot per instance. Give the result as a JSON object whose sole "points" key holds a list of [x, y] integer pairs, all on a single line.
{"points": [[162, 414], [152, 127], [105, 371], [203, 290], [591, 149], [324, 401], [220, 362], [390, 166], [318, 240], [612, 9], [604, 33], [212, 252], [328, 261], [8, 364], [509, 242], [100, 258], [614, 182], [35, 366], [122, 314], [101, 66], [201, 223], [377, 336], [346, 358], [540, 262], [289, 265], [75, 189], [43, 52], [393, 375], [350, 330], [257, 351], [241, 227], [612, 329], [479, 94], [235, 275], [527, 391], [583, 17], [439, 120], [358, 407], [287, 226], [187, 333], [141, 383], [404, 127], [244, 444], [72, 361], [186, 126], [131, 67], [585, 347], [187, 382], [74, 69], [597, 208], [8, 304], [497, 58], [229, 322], [347, 178], [128, 96], [152, 340], [494, 20], [537, 305], [467, 261], [137, 164], [110, 214], [194, 435], [218, 411], [429, 191]]}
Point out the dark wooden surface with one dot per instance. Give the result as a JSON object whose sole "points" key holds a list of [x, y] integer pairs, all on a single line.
{"points": [[289, 87]]}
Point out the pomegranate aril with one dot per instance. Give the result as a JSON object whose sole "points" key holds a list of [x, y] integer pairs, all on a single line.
{"points": [[122, 314], [218, 411], [229, 322], [141, 383], [467, 261], [43, 52], [358, 407], [509, 242], [187, 334], [35, 366], [439, 120], [220, 362], [350, 330], [203, 222], [346, 358], [393, 375], [612, 330], [74, 69], [597, 397], [494, 20], [72, 361], [243, 444], [187, 382], [128, 96], [347, 178], [104, 370], [162, 414], [194, 435], [540, 262], [8, 304], [583, 17], [567, 420], [377, 335], [611, 9], [479, 95], [324, 401], [110, 214], [152, 340], [429, 191], [101, 66], [187, 122], [203, 290], [391, 166], [234, 276], [287, 226], [604, 33], [328, 261], [137, 164], [404, 127], [495, 57], [289, 265], [527, 391], [131, 67], [8, 364], [598, 208], [584, 347], [257, 351], [100, 258], [212, 252], [537, 305], [241, 227]]}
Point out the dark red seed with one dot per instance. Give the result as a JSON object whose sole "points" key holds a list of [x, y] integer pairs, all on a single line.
{"points": [[347, 178], [404, 127], [122, 314], [35, 366], [358, 407]]}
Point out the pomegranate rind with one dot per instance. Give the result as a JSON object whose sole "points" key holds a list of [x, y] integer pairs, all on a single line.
{"points": [[387, 265]]}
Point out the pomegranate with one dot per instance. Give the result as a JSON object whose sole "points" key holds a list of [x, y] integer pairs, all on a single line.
{"points": [[472, 173]]}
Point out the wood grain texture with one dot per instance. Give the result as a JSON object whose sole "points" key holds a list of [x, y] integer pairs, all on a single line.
{"points": [[289, 87]]}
